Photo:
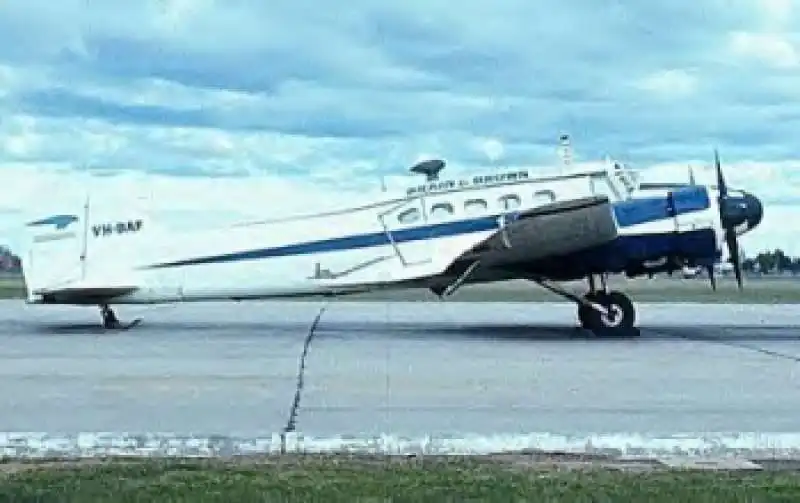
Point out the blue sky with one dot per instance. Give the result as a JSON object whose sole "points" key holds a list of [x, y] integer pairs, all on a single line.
{"points": [[236, 105]]}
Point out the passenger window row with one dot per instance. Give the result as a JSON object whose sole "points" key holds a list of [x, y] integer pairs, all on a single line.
{"points": [[477, 206]]}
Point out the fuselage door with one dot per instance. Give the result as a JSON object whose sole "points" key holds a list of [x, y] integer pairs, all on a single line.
{"points": [[408, 231]]}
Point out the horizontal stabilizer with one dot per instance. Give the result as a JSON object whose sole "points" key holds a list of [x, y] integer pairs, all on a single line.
{"points": [[82, 294]]}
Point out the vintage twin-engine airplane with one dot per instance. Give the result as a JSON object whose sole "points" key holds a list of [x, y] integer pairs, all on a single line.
{"points": [[439, 234]]}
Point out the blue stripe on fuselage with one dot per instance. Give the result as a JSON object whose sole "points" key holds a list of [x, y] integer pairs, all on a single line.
{"points": [[628, 213], [353, 242]]}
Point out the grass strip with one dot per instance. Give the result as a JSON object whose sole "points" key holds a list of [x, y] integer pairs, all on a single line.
{"points": [[11, 293], [349, 479]]}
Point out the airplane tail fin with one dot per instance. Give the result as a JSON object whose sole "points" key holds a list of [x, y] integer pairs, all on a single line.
{"points": [[52, 254], [72, 254]]}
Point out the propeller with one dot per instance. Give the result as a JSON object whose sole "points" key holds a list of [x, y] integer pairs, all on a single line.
{"points": [[728, 226], [711, 277]]}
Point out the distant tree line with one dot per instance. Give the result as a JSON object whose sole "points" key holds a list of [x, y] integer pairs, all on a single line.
{"points": [[8, 261], [772, 262], [766, 262]]}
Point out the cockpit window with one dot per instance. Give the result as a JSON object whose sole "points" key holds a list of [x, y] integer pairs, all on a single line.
{"points": [[627, 177], [601, 186]]}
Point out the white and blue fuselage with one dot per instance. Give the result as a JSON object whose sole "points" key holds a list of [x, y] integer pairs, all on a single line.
{"points": [[400, 241]]}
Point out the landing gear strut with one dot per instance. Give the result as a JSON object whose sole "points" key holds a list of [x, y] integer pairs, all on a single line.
{"points": [[110, 319], [605, 312], [111, 322]]}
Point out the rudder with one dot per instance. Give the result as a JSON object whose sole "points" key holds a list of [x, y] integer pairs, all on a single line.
{"points": [[96, 244], [53, 251]]}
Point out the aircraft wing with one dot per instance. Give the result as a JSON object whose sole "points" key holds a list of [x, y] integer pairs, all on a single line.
{"points": [[550, 230]]}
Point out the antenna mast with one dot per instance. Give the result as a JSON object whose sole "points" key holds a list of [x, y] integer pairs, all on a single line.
{"points": [[565, 151]]}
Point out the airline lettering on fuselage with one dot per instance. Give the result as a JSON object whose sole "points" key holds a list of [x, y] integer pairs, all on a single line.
{"points": [[111, 228], [476, 181]]}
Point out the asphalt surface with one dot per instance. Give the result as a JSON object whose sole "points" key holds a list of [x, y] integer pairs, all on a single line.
{"points": [[406, 369]]}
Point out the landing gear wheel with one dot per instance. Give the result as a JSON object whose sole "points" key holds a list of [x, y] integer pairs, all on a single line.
{"points": [[618, 322]]}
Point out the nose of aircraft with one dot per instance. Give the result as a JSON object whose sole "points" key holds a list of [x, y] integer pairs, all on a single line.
{"points": [[742, 209], [755, 210]]}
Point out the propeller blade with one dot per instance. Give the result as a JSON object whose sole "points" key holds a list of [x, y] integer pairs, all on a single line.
{"points": [[711, 278], [738, 271], [730, 231], [723, 189], [733, 249], [691, 177]]}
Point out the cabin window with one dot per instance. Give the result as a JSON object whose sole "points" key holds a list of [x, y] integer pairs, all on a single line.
{"points": [[475, 206], [510, 202], [541, 197], [410, 215], [442, 210]]}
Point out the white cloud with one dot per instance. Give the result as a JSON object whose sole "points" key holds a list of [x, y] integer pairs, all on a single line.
{"points": [[669, 83], [492, 148], [777, 13], [770, 48]]}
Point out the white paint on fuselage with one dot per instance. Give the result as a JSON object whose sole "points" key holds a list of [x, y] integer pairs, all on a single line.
{"points": [[119, 259], [292, 275]]}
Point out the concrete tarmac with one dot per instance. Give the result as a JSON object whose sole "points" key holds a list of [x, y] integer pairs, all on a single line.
{"points": [[402, 368]]}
